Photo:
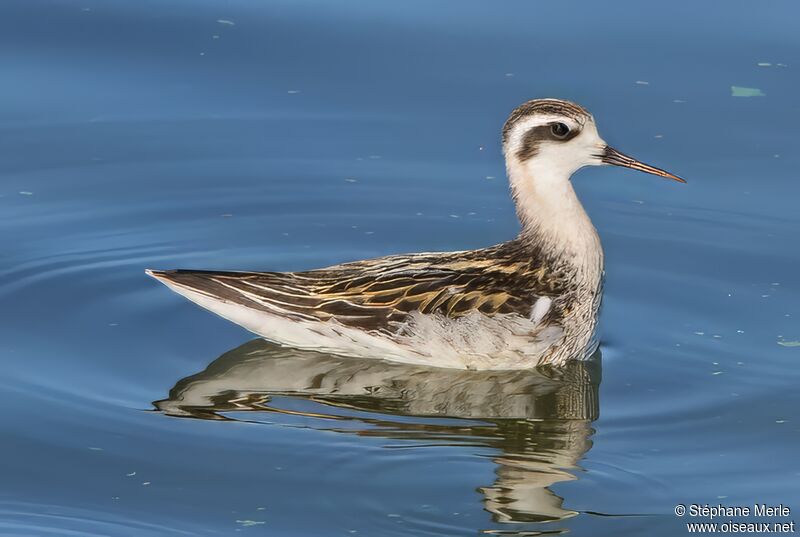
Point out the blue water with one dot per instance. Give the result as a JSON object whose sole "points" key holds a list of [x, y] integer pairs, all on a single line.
{"points": [[276, 135]]}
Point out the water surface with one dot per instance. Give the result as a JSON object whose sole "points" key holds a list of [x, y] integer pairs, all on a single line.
{"points": [[286, 136]]}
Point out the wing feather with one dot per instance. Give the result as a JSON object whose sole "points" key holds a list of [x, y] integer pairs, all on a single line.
{"points": [[380, 294]]}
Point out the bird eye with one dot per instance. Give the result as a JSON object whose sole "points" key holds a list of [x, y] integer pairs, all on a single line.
{"points": [[559, 130]]}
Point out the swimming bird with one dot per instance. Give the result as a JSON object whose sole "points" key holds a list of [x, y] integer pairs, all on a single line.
{"points": [[530, 301]]}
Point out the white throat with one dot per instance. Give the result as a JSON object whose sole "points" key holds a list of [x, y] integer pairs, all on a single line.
{"points": [[552, 216]]}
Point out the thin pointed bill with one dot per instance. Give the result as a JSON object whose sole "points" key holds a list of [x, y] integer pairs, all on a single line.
{"points": [[612, 156]]}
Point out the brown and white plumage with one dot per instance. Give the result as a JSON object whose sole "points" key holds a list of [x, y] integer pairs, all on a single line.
{"points": [[519, 304], [431, 306]]}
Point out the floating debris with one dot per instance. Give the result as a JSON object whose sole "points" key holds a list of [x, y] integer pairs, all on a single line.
{"points": [[643, 82], [678, 101], [784, 343], [350, 180], [764, 64], [249, 523], [145, 483], [226, 21], [92, 448], [293, 92], [741, 91], [509, 75], [130, 474], [490, 177], [25, 193]]}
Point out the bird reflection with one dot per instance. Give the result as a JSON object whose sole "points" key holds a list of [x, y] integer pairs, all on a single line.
{"points": [[538, 421]]}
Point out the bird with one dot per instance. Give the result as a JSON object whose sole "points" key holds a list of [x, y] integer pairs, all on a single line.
{"points": [[531, 301]]}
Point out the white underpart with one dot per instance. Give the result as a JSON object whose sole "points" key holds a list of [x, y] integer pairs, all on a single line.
{"points": [[540, 309], [474, 341]]}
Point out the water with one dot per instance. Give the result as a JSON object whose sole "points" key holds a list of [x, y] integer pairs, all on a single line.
{"points": [[306, 134]]}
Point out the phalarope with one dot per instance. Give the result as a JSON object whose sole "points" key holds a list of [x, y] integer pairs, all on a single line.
{"points": [[529, 301]]}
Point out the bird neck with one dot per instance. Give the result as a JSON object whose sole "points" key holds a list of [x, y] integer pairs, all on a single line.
{"points": [[553, 219]]}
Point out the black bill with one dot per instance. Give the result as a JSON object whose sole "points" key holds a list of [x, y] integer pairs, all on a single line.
{"points": [[612, 156]]}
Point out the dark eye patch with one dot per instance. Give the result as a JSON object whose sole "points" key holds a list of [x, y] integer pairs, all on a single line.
{"points": [[542, 133]]}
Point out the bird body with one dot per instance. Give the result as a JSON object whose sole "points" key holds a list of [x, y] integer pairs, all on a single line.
{"points": [[529, 301]]}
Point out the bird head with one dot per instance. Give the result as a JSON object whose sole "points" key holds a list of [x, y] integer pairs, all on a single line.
{"points": [[560, 137]]}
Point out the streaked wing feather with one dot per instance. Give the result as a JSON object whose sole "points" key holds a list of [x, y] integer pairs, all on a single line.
{"points": [[379, 294]]}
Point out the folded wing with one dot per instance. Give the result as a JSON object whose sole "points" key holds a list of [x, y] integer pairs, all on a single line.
{"points": [[380, 294]]}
